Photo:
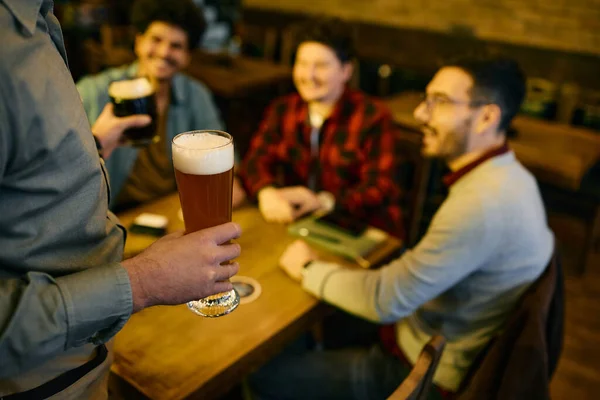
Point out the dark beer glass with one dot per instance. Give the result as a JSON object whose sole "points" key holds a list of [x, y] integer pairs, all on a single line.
{"points": [[203, 162], [135, 96]]}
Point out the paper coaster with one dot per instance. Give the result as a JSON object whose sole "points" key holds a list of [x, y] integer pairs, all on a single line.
{"points": [[248, 288]]}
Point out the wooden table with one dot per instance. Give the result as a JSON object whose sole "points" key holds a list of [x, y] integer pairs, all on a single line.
{"points": [[171, 353], [557, 154]]}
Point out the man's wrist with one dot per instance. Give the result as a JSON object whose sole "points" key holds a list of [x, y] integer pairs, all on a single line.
{"points": [[138, 293]]}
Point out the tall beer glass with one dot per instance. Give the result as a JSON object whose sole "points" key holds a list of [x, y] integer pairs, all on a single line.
{"points": [[203, 162]]}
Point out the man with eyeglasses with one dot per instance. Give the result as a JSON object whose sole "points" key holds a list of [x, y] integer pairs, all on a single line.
{"points": [[485, 246]]}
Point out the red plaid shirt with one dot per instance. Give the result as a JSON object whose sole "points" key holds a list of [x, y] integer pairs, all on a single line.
{"points": [[356, 161]]}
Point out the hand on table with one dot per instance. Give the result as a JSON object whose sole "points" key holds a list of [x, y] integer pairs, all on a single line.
{"points": [[273, 206], [179, 268], [286, 204], [301, 198], [295, 257]]}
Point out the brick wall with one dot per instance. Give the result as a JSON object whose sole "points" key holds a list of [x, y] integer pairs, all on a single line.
{"points": [[570, 25]]}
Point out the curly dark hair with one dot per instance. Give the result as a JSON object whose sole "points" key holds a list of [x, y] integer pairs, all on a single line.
{"points": [[496, 80], [181, 13], [331, 32]]}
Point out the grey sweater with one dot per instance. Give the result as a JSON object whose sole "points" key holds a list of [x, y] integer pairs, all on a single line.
{"points": [[486, 244]]}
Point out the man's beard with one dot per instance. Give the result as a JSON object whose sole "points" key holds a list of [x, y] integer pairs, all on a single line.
{"points": [[455, 142]]}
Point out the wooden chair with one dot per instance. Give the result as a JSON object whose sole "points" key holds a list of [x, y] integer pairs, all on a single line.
{"points": [[289, 42], [416, 386], [413, 175], [262, 38], [520, 361]]}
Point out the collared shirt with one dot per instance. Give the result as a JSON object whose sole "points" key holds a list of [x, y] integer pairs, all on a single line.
{"points": [[62, 287], [357, 158], [191, 107], [452, 177]]}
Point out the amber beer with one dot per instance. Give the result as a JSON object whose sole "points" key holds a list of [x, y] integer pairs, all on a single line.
{"points": [[135, 96], [203, 210], [203, 162], [204, 172]]}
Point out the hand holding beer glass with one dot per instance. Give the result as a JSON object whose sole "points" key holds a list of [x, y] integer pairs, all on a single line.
{"points": [[203, 162]]}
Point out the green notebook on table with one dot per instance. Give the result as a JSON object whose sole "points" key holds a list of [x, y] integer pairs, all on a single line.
{"points": [[338, 234]]}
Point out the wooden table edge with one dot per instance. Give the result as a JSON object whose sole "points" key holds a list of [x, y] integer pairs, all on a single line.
{"points": [[222, 383]]}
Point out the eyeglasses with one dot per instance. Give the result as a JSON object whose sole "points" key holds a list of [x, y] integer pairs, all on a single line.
{"points": [[432, 101]]}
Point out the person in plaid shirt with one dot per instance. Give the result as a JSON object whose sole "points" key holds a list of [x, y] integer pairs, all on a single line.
{"points": [[327, 137]]}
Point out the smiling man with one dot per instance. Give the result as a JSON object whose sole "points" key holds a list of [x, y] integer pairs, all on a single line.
{"points": [[327, 137], [167, 31], [485, 246]]}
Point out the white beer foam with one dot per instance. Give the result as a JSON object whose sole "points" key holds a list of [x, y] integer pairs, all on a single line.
{"points": [[202, 154], [131, 89]]}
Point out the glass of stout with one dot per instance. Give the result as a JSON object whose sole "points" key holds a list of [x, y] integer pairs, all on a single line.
{"points": [[135, 96]]}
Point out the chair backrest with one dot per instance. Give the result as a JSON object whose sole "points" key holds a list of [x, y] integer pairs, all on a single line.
{"points": [[413, 176], [432, 191], [259, 39], [519, 362], [289, 38], [418, 383]]}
